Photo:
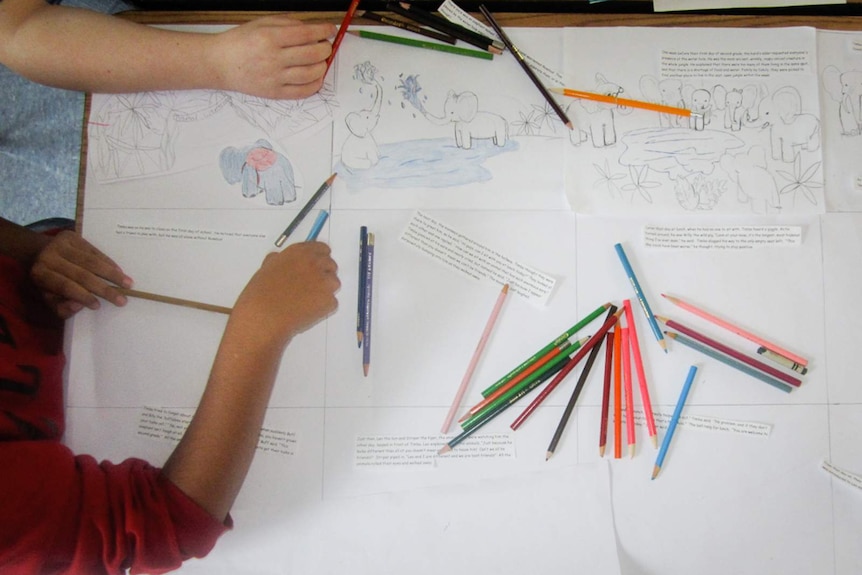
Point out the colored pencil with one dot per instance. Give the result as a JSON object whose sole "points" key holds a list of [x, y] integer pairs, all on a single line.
{"points": [[627, 386], [576, 392], [727, 360], [172, 300], [641, 373], [630, 272], [554, 365], [525, 66], [618, 396], [585, 349], [720, 347], [735, 329], [556, 342], [623, 101], [317, 226], [360, 299], [443, 25], [402, 25], [606, 392], [498, 409], [304, 211], [369, 291], [367, 34], [781, 360], [339, 36], [474, 361], [680, 402]]}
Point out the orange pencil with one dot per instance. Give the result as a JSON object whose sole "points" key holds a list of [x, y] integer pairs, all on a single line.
{"points": [[627, 384], [623, 102], [618, 397], [342, 30], [639, 370]]}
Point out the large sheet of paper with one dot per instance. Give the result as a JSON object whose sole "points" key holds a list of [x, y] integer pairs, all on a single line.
{"points": [[465, 175]]}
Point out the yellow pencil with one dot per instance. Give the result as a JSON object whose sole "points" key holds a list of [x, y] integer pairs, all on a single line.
{"points": [[623, 102]]}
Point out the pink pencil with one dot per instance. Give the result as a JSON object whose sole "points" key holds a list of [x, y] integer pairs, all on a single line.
{"points": [[474, 361], [737, 330], [627, 384], [639, 369]]}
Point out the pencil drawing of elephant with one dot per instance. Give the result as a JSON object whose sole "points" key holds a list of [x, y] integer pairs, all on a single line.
{"points": [[755, 185], [740, 105], [790, 131], [260, 169], [669, 93], [846, 89], [360, 150], [595, 120], [699, 101], [462, 111]]}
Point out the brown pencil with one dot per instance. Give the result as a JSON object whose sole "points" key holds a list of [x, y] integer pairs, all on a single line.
{"points": [[173, 300]]}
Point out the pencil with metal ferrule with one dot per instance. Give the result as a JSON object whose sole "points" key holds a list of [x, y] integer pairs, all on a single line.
{"points": [[410, 27], [442, 25], [726, 349], [618, 397], [627, 387], [606, 392], [304, 211], [498, 409], [172, 300], [360, 297], [680, 402], [317, 226], [369, 293], [727, 360], [556, 342], [525, 66], [781, 360], [422, 44], [339, 36], [641, 372], [735, 329], [551, 367], [474, 360], [616, 100], [585, 349], [573, 399], [566, 348], [627, 266]]}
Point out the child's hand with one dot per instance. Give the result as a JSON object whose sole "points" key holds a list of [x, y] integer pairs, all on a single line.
{"points": [[274, 57], [292, 290], [70, 272]]}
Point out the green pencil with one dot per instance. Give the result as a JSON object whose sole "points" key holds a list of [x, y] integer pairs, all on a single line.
{"points": [[422, 44], [532, 359]]}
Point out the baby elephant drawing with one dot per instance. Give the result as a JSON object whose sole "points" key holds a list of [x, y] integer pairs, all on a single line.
{"points": [[790, 131], [462, 111], [595, 119], [260, 169], [846, 89]]}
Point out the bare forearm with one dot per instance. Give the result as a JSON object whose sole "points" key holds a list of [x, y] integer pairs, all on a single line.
{"points": [[84, 50]]}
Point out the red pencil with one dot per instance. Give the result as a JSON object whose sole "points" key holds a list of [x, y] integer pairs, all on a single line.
{"points": [[606, 391], [342, 30], [756, 364], [627, 384], [618, 397], [639, 370], [570, 365]]}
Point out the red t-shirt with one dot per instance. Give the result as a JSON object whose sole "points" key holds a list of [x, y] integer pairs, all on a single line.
{"points": [[62, 513]]}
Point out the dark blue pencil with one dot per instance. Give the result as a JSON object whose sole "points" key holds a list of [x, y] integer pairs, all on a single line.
{"points": [[360, 300], [369, 290]]}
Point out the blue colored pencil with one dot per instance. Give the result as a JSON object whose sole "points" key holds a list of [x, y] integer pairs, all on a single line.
{"points": [[673, 420], [641, 297], [366, 326], [360, 300], [317, 226]]}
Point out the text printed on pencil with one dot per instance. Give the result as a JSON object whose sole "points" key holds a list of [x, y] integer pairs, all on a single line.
{"points": [[474, 259]]}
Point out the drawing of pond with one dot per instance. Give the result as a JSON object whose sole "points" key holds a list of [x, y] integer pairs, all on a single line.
{"points": [[435, 163]]}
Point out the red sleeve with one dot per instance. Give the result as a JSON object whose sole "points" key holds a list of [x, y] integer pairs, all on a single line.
{"points": [[61, 513]]}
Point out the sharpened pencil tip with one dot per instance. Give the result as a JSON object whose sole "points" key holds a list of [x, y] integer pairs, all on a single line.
{"points": [[632, 451], [601, 450], [654, 440], [365, 367], [444, 449], [655, 471], [548, 455], [570, 126]]}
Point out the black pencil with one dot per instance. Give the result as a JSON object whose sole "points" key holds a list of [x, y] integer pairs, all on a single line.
{"points": [[567, 413], [304, 211], [408, 26], [523, 62], [445, 26]]}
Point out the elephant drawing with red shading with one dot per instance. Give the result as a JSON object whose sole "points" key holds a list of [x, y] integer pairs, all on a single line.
{"points": [[260, 169]]}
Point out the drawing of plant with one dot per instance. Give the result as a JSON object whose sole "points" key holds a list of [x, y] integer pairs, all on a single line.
{"points": [[638, 175], [801, 180], [527, 125], [546, 115], [698, 192], [608, 179]]}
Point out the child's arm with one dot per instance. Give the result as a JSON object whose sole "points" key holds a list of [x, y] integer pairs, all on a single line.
{"points": [[292, 291], [77, 49]]}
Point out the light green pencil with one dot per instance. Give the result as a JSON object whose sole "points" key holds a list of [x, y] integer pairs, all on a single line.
{"points": [[422, 44]]}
